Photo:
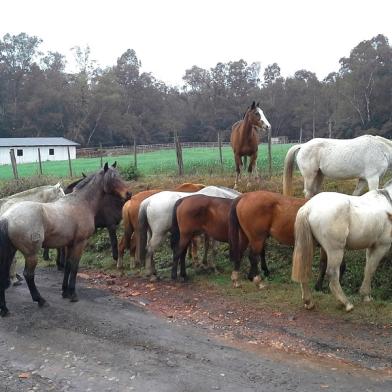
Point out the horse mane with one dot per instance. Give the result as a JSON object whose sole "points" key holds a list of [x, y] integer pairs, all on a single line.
{"points": [[385, 193]]}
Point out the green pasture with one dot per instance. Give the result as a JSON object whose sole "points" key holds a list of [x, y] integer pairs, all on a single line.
{"points": [[201, 160]]}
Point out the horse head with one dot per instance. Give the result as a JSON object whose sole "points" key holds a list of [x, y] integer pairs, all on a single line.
{"points": [[57, 191], [113, 183], [257, 118]]}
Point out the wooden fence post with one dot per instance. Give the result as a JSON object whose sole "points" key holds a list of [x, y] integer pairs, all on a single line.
{"points": [[13, 162], [180, 162], [69, 162], [101, 154], [134, 153], [220, 148], [269, 153], [39, 161]]}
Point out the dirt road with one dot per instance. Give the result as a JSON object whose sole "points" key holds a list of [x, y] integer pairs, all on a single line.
{"points": [[105, 343]]}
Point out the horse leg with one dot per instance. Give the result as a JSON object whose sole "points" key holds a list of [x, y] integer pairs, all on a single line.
{"points": [[360, 188], [307, 296], [334, 260], [210, 261], [153, 244], [312, 183], [263, 262], [373, 257], [75, 252], [238, 164], [252, 164], [5, 282], [256, 249], [113, 241], [67, 271], [121, 251], [60, 259], [242, 245], [193, 249], [373, 183], [15, 279], [179, 253], [45, 254], [28, 273]]}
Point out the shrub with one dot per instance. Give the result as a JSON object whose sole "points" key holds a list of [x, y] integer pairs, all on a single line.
{"points": [[129, 172]]}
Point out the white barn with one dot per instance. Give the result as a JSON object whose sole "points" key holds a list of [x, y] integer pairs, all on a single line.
{"points": [[26, 149]]}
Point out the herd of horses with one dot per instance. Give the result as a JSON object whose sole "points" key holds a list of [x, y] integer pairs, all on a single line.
{"points": [[47, 217]]}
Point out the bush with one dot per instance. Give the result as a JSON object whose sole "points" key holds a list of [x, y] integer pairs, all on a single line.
{"points": [[129, 172]]}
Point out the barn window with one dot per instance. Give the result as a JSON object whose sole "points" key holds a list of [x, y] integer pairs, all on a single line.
{"points": [[51, 151], [19, 153]]}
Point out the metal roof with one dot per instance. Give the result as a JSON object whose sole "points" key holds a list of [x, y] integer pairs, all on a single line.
{"points": [[35, 141]]}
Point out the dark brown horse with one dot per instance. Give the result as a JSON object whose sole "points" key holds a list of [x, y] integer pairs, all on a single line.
{"points": [[199, 214], [130, 213], [245, 140], [29, 226], [262, 214]]}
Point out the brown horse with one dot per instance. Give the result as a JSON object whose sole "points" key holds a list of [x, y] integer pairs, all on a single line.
{"points": [[130, 214], [262, 214], [69, 221], [245, 140], [198, 214]]}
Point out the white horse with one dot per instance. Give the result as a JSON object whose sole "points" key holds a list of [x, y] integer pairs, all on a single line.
{"points": [[365, 157], [43, 194], [155, 219], [337, 221]]}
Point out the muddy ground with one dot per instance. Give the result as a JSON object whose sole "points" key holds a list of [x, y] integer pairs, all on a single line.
{"points": [[129, 334]]}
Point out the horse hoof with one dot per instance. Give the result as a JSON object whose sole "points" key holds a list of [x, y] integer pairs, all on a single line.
{"points": [[367, 298], [183, 279], [42, 303], [153, 278], [318, 287], [349, 307], [236, 285], [248, 184], [4, 312], [266, 273], [74, 297], [309, 305], [65, 294], [17, 283]]}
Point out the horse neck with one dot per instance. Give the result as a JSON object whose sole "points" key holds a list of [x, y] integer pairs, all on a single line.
{"points": [[92, 194], [246, 129]]}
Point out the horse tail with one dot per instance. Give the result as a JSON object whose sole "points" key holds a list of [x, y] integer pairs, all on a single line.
{"points": [[175, 230], [143, 227], [304, 247], [234, 227], [7, 253], [128, 229], [288, 170]]}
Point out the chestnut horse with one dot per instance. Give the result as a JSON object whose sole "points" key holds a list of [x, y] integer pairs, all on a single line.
{"points": [[198, 214], [130, 213], [69, 221], [245, 140], [262, 214]]}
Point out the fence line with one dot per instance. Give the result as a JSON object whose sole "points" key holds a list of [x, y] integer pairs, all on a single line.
{"points": [[143, 148]]}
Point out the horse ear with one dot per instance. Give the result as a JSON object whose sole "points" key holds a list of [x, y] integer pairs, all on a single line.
{"points": [[253, 105], [114, 164], [258, 104], [106, 167], [58, 185], [83, 175]]}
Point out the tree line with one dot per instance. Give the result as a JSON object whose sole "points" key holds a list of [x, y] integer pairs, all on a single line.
{"points": [[119, 104]]}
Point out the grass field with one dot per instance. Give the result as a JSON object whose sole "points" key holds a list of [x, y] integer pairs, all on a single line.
{"points": [[196, 161]]}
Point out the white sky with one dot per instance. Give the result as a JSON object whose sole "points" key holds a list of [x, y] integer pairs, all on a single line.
{"points": [[170, 36]]}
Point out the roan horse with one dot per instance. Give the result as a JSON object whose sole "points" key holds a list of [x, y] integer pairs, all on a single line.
{"points": [[43, 194], [155, 218], [337, 221], [69, 221], [244, 139], [365, 157], [257, 216], [108, 216], [198, 214], [130, 213]]}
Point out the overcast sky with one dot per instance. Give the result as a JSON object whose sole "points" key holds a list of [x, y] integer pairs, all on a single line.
{"points": [[170, 36]]}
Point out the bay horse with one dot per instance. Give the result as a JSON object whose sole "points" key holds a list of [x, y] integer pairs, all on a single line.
{"points": [[337, 221], [245, 140], [43, 194], [365, 157], [69, 221], [259, 215], [196, 214], [130, 213], [155, 218]]}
